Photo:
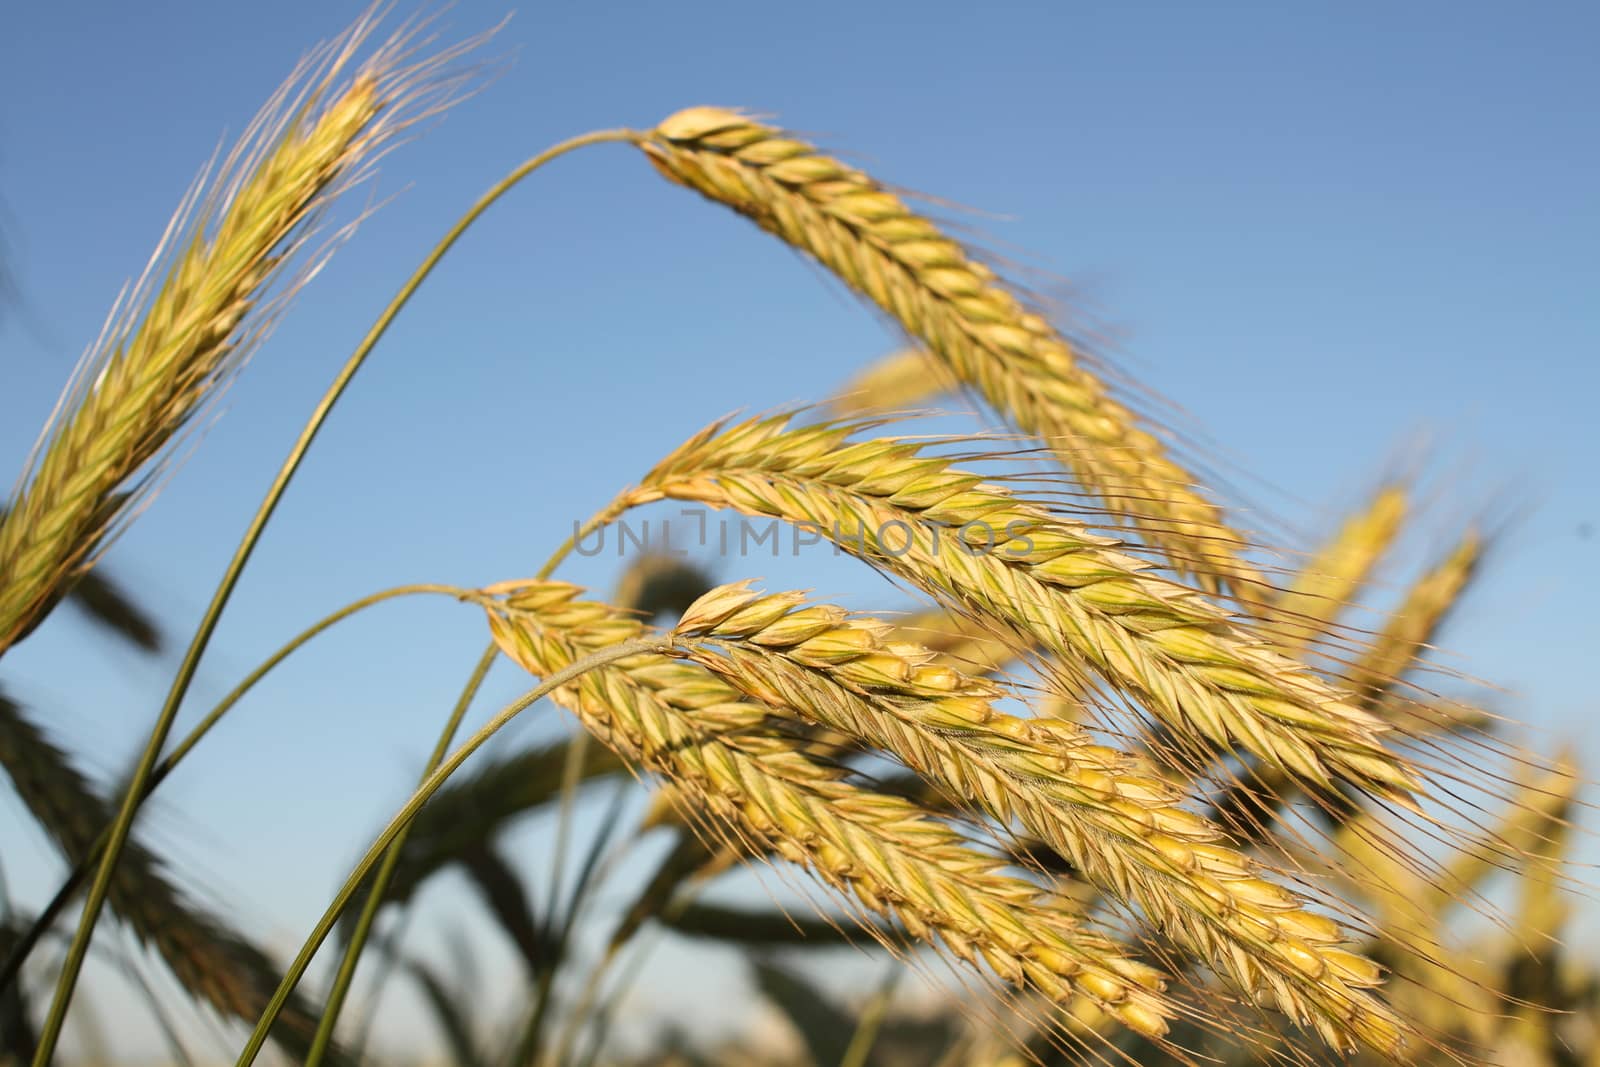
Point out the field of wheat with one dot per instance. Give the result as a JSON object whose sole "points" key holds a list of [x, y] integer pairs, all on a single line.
{"points": [[1135, 783]]}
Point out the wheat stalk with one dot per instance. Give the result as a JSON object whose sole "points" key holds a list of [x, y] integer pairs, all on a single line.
{"points": [[205, 301], [959, 310], [1121, 827], [1049, 580], [681, 721]]}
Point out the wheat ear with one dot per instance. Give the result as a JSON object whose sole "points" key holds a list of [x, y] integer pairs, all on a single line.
{"points": [[210, 961], [1048, 580], [1417, 620], [897, 382], [1121, 827], [1330, 580], [958, 309], [686, 724], [206, 299]]}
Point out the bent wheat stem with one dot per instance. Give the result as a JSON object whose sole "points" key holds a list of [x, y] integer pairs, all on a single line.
{"points": [[19, 952], [253, 533], [346, 974], [164, 370]]}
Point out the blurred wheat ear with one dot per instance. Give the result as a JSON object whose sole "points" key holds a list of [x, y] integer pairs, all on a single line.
{"points": [[214, 964]]}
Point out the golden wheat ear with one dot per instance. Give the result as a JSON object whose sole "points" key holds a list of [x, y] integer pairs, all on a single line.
{"points": [[1331, 579], [899, 381], [232, 257], [1123, 828], [984, 336], [1048, 581], [888, 856]]}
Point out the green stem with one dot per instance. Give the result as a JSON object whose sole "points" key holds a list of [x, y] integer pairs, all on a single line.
{"points": [[604, 517], [571, 776], [403, 818], [120, 829], [391, 860], [74, 881], [870, 1023]]}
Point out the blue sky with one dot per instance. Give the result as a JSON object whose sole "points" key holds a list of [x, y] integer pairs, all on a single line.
{"points": [[1327, 233]]}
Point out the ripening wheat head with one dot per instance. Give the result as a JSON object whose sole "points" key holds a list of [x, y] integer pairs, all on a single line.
{"points": [[1049, 580], [959, 309], [227, 264], [702, 735], [1122, 828]]}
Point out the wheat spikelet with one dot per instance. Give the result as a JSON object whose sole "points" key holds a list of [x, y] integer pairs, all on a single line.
{"points": [[681, 721], [210, 961], [1050, 581], [1121, 827], [206, 299], [958, 309], [1331, 579]]}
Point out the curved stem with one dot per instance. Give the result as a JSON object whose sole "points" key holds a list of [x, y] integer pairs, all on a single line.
{"points": [[74, 881], [123, 825], [599, 520], [380, 883], [403, 818]]}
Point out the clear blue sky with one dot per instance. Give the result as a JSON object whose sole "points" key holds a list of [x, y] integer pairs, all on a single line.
{"points": [[1320, 230]]}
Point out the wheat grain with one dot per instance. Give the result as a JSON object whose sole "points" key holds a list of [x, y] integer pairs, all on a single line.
{"points": [[683, 722], [1121, 827], [1052, 582], [959, 310]]}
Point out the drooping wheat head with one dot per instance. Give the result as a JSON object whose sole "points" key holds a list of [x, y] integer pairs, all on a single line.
{"points": [[960, 310], [1051, 582], [697, 731], [1121, 827]]}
